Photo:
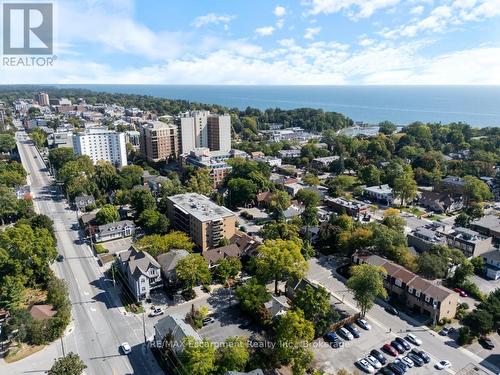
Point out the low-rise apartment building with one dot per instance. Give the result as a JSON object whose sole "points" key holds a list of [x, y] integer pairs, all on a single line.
{"points": [[206, 222], [351, 208], [488, 225], [420, 295], [380, 193], [424, 238], [324, 162], [470, 242], [214, 162]]}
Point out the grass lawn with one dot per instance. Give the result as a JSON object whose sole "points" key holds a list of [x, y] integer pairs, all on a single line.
{"points": [[16, 353]]}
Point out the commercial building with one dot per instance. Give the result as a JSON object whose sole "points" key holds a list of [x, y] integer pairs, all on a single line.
{"points": [[214, 162], [159, 141], [351, 208], [380, 193], [101, 144], [206, 222], [43, 99], [203, 129], [470, 242], [418, 294]]}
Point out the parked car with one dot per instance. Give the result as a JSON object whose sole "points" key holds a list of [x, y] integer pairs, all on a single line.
{"points": [[425, 357], [342, 332], [390, 350], [413, 339], [444, 331], [373, 361], [444, 364], [333, 339], [408, 361], [391, 310], [208, 320], [396, 345], [157, 311], [396, 369], [460, 292], [386, 371], [380, 357], [486, 342], [125, 347], [416, 359], [403, 343], [351, 328], [365, 366], [60, 258], [363, 324], [401, 364]]}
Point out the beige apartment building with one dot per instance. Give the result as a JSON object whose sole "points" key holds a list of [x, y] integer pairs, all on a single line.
{"points": [[206, 222], [159, 141]]}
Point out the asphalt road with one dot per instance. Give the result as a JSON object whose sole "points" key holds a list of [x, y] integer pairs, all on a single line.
{"points": [[99, 324], [438, 347]]}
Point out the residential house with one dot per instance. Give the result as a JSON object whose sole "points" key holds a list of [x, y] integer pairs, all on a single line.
{"points": [[425, 237], [87, 221], [42, 312], [253, 372], [264, 199], [112, 231], [168, 262], [451, 184], [421, 296], [323, 162], [441, 202], [142, 272], [470, 242], [488, 225], [277, 306], [292, 286], [83, 201], [380, 193], [212, 256], [293, 153], [270, 160], [294, 210], [492, 264], [172, 330]]}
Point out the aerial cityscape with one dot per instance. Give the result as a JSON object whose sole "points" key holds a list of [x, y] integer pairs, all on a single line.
{"points": [[255, 194]]}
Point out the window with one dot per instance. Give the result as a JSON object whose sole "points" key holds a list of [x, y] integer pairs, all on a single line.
{"points": [[410, 290], [398, 282], [417, 293], [427, 299]]}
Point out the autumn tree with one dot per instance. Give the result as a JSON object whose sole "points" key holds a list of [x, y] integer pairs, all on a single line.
{"points": [[193, 270], [233, 355], [367, 284]]}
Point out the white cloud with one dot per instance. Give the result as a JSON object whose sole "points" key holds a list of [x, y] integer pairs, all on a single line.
{"points": [[354, 8], [311, 32], [280, 23], [279, 11], [212, 18], [366, 42], [265, 31], [418, 10]]}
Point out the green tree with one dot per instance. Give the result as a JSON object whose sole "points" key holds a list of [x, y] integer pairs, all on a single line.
{"points": [[200, 182], [233, 355], [241, 191], [386, 127], [479, 321], [141, 199], [153, 221], [39, 137], [227, 268], [193, 270], [462, 272], [107, 214], [293, 334], [370, 175], [311, 179], [463, 335], [156, 244], [8, 203], [279, 230], [280, 201], [59, 156], [405, 186], [129, 176], [252, 296], [70, 364], [198, 358], [478, 264], [432, 266], [105, 175], [367, 283], [308, 198], [11, 292], [279, 260], [475, 190], [7, 143]]}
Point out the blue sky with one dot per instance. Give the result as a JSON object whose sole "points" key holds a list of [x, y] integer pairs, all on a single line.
{"points": [[272, 42]]}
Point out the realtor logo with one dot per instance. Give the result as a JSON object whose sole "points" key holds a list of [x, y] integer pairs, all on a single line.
{"points": [[27, 29]]}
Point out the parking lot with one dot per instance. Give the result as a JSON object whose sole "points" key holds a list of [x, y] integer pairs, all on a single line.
{"points": [[331, 359]]}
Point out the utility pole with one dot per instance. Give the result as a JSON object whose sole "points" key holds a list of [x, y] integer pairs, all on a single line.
{"points": [[144, 330], [62, 345]]}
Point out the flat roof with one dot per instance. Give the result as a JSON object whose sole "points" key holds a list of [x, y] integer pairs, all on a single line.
{"points": [[200, 207]]}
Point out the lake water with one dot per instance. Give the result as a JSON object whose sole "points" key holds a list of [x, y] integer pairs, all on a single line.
{"points": [[476, 105]]}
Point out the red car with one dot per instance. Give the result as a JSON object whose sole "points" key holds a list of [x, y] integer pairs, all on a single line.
{"points": [[390, 350], [460, 292]]}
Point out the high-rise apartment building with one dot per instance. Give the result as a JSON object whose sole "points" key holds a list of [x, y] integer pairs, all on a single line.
{"points": [[101, 144], [203, 129], [159, 141], [42, 98], [206, 222]]}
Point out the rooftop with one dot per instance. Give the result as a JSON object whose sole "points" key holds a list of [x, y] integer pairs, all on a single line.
{"points": [[379, 189], [200, 207]]}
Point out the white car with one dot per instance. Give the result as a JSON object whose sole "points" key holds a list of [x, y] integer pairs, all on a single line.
{"points": [[441, 365], [413, 339], [156, 312], [363, 324], [126, 348], [363, 363], [408, 361], [373, 361], [345, 333]]}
